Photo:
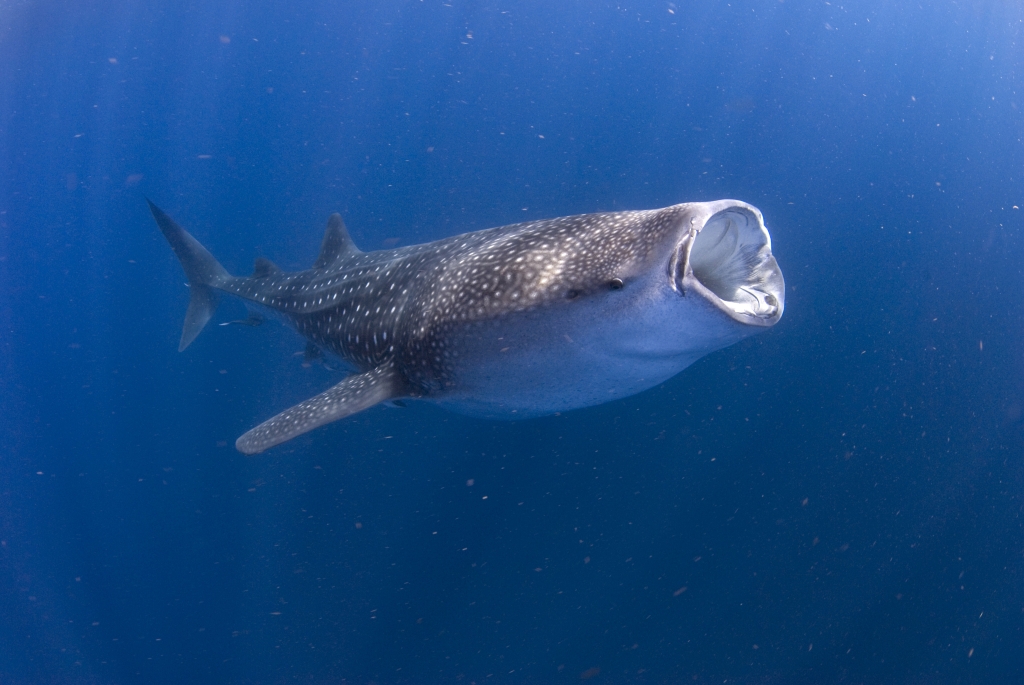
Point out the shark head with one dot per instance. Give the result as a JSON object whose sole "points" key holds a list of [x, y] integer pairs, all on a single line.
{"points": [[624, 301], [721, 283]]}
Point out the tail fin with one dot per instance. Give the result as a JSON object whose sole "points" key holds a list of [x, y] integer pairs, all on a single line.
{"points": [[204, 273]]}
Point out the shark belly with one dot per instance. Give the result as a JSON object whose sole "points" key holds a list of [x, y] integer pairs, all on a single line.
{"points": [[518, 383], [537, 363]]}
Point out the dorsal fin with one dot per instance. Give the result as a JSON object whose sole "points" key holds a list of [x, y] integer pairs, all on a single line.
{"points": [[264, 267], [337, 242]]}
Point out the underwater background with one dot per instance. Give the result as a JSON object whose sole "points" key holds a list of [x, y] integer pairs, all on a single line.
{"points": [[838, 499]]}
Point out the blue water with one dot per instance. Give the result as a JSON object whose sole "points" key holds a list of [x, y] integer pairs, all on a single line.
{"points": [[836, 500]]}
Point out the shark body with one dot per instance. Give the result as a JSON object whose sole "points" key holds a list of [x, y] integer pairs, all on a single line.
{"points": [[512, 322]]}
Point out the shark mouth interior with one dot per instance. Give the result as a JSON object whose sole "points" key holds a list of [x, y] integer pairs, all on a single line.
{"points": [[732, 257]]}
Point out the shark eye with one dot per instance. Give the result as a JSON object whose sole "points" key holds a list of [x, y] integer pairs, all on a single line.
{"points": [[572, 294], [615, 284]]}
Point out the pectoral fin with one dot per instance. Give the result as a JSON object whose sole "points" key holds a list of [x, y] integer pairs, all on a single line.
{"points": [[354, 394]]}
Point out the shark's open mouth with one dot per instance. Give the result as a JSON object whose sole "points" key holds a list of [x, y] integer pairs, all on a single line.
{"points": [[732, 258]]}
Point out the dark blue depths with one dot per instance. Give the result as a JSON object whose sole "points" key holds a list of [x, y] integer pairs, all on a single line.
{"points": [[836, 500]]}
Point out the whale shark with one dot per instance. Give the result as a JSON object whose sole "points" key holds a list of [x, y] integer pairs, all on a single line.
{"points": [[510, 322]]}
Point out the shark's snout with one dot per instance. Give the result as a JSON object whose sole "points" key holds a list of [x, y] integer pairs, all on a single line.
{"points": [[729, 261]]}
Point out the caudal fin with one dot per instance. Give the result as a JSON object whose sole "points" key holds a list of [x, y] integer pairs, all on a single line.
{"points": [[204, 274]]}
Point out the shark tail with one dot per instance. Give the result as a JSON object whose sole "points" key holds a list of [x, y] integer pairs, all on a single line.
{"points": [[203, 270]]}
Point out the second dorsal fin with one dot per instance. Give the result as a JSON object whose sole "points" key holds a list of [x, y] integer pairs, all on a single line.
{"points": [[264, 267], [337, 242]]}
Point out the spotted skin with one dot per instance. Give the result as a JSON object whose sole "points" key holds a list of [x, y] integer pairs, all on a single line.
{"points": [[512, 321]]}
